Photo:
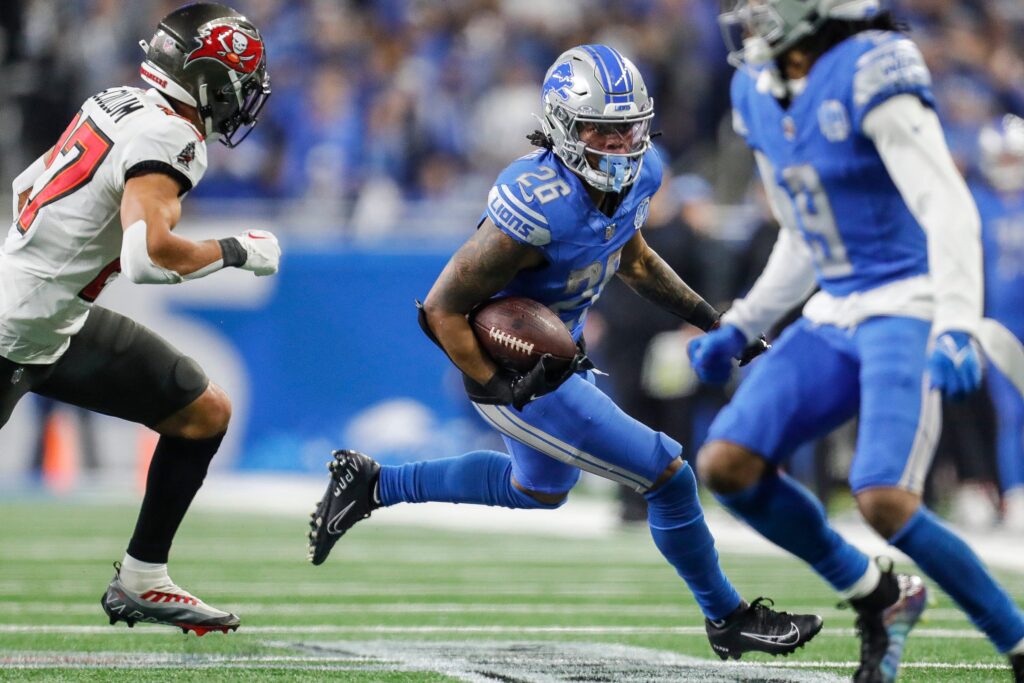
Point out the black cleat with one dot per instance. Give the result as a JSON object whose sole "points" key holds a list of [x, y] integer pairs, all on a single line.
{"points": [[884, 619], [1017, 664], [349, 498], [168, 605], [758, 628]]}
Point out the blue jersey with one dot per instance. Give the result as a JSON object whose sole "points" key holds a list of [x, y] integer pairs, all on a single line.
{"points": [[1002, 234], [853, 217], [537, 200]]}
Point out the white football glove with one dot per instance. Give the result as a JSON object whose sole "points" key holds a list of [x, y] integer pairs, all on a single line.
{"points": [[263, 253]]}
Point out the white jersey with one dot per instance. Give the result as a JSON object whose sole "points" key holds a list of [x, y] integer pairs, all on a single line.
{"points": [[65, 244]]}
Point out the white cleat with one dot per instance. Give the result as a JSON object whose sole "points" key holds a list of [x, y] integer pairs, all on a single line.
{"points": [[167, 604]]}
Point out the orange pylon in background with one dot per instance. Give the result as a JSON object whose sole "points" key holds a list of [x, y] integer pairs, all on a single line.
{"points": [[60, 453], [145, 446]]}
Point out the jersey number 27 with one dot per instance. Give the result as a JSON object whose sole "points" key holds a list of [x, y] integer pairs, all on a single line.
{"points": [[81, 149]]}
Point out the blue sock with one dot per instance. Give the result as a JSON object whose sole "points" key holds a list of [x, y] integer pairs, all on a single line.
{"points": [[788, 515], [955, 567], [677, 526], [481, 477]]}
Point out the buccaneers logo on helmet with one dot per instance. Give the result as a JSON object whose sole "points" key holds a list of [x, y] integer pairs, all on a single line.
{"points": [[229, 45]]}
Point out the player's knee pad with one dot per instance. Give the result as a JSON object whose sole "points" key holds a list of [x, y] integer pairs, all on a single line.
{"points": [[188, 377], [675, 503]]}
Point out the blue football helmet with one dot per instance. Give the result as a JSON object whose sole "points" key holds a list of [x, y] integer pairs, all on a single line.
{"points": [[593, 89]]}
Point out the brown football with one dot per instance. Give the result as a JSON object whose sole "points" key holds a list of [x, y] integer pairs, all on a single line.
{"points": [[516, 332]]}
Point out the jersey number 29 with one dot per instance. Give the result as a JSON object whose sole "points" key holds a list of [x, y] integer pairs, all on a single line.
{"points": [[803, 184]]}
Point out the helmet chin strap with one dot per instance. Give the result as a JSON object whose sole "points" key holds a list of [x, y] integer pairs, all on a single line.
{"points": [[205, 110]]}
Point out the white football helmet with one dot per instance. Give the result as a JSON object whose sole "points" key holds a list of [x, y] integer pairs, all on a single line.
{"points": [[593, 88], [757, 31], [1002, 153]]}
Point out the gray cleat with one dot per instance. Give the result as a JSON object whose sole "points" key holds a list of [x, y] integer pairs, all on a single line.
{"points": [[168, 605]]}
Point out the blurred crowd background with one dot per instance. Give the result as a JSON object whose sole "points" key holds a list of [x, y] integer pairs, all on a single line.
{"points": [[392, 118], [395, 115]]}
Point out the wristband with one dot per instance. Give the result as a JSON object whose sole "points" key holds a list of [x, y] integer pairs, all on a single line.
{"points": [[704, 316], [233, 252]]}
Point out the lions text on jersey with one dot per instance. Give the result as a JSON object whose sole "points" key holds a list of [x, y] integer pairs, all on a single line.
{"points": [[851, 214], [540, 202], [65, 244]]}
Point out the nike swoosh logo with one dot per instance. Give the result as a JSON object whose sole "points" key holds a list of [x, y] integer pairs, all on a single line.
{"points": [[790, 638], [257, 237], [958, 356], [332, 524]]}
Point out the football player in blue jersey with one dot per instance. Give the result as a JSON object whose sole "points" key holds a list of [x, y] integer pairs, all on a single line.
{"points": [[836, 104], [999, 193], [559, 224]]}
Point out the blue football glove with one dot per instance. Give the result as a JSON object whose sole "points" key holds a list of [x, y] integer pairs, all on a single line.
{"points": [[711, 354], [954, 366]]}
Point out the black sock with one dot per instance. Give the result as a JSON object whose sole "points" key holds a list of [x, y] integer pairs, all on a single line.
{"points": [[175, 475], [886, 593]]}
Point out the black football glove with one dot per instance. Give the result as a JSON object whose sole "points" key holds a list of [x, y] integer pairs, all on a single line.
{"points": [[508, 388], [753, 350]]}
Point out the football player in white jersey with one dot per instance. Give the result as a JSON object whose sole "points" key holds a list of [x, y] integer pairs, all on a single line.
{"points": [[105, 200]]}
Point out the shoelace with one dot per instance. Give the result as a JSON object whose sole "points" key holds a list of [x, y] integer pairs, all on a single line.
{"points": [[762, 608]]}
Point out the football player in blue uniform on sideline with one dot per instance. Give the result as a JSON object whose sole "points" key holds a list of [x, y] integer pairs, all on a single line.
{"points": [[836, 104], [999, 193], [559, 224]]}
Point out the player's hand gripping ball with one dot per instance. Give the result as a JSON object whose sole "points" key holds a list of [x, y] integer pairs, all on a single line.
{"points": [[533, 349], [517, 332]]}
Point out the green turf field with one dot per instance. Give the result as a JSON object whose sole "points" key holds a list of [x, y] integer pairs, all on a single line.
{"points": [[396, 604]]}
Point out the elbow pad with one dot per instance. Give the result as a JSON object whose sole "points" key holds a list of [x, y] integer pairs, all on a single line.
{"points": [[136, 265]]}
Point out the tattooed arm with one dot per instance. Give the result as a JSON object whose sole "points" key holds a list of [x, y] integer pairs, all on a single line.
{"points": [[649, 276], [477, 271]]}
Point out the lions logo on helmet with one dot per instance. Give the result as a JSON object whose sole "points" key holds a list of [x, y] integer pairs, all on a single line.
{"points": [[560, 81], [593, 88]]}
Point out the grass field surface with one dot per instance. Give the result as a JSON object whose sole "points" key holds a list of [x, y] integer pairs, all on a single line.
{"points": [[411, 604]]}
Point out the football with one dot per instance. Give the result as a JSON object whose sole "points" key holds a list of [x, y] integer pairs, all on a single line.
{"points": [[516, 332]]}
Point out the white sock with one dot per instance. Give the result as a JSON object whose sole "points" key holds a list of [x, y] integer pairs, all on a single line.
{"points": [[865, 584], [139, 577], [1018, 649]]}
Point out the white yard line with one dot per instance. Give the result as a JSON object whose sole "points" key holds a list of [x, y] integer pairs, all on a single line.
{"points": [[298, 609], [73, 629], [479, 661]]}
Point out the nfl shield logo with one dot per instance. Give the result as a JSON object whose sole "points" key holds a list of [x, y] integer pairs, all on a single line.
{"points": [[642, 212], [834, 121], [609, 232]]}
